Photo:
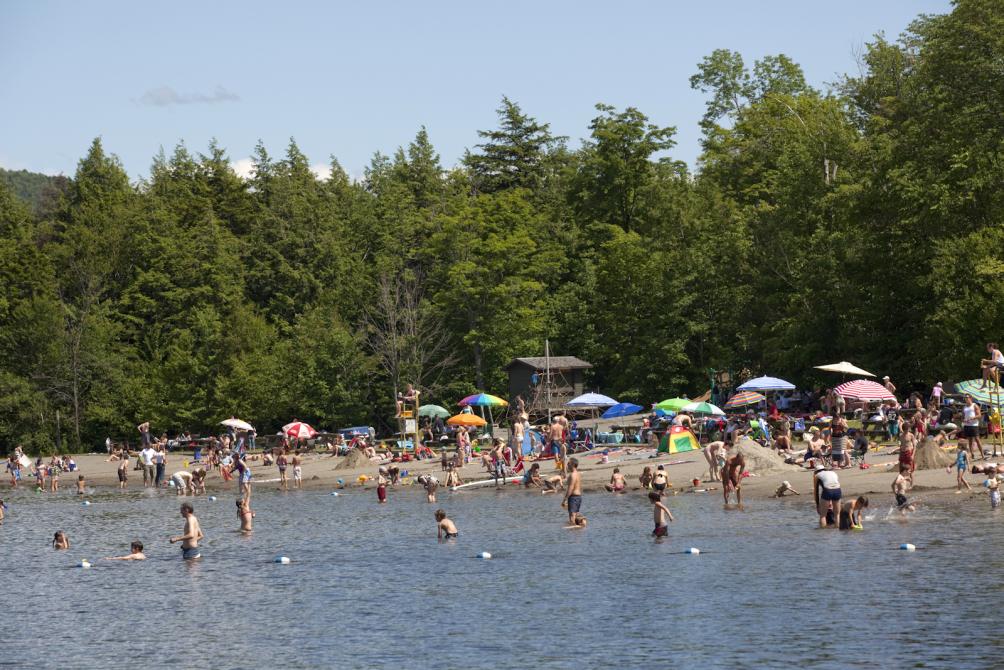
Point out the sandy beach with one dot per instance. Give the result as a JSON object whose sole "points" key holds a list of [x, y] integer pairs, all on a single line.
{"points": [[321, 471]]}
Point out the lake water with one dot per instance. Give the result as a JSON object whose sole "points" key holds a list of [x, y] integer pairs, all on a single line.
{"points": [[369, 585]]}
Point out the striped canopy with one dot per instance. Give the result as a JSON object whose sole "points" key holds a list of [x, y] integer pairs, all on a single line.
{"points": [[862, 389], [744, 398], [991, 395], [766, 384], [299, 429], [482, 400]]}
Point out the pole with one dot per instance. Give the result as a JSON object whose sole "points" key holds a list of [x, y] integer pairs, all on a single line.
{"points": [[547, 376], [59, 437]]}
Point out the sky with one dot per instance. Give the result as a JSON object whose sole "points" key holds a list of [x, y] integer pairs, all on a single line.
{"points": [[350, 79]]}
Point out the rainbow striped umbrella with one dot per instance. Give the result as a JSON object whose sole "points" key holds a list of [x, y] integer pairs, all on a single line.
{"points": [[482, 400], [744, 398]]}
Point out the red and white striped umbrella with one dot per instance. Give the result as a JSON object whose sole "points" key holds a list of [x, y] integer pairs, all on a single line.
{"points": [[862, 389], [299, 429]]}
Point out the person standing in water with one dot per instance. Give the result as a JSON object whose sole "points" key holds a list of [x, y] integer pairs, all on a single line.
{"points": [[573, 490], [826, 491], [732, 477], [661, 515], [192, 534], [245, 515]]}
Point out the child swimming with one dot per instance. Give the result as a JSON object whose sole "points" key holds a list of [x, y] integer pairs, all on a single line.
{"points": [[135, 553], [60, 541]]}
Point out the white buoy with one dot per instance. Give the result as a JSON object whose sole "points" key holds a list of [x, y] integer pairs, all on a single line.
{"points": [[170, 483], [283, 560], [84, 564], [906, 546], [334, 493], [485, 555], [212, 498], [692, 550], [86, 502]]}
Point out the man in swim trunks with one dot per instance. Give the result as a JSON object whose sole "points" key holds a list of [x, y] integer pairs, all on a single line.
{"points": [[573, 490], [297, 463], [192, 534], [445, 529]]}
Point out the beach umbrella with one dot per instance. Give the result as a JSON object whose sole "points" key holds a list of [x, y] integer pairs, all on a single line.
{"points": [[673, 404], [433, 411], [744, 398], [991, 395], [703, 408], [845, 368], [237, 423], [464, 419], [862, 389], [482, 400], [591, 400], [299, 429], [622, 409], [766, 384]]}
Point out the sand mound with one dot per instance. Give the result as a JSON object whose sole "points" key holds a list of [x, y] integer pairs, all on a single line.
{"points": [[354, 459], [929, 456], [762, 460]]}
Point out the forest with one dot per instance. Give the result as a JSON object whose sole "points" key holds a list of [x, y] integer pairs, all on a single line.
{"points": [[862, 222]]}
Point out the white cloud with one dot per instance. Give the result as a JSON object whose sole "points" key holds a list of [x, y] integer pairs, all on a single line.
{"points": [[321, 170], [243, 167], [165, 96]]}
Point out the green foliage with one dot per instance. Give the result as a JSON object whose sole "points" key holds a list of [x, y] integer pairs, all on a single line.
{"points": [[860, 224]]}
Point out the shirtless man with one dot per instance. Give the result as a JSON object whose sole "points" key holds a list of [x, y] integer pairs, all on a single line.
{"points": [[732, 475], [555, 434], [192, 535], [297, 462], [714, 454], [573, 491]]}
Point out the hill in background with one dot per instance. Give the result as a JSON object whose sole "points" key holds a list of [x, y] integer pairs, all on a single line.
{"points": [[40, 191]]}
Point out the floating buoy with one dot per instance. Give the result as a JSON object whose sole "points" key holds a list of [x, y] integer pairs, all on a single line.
{"points": [[170, 483], [906, 546], [484, 555], [84, 564], [283, 560], [86, 502], [692, 550], [334, 493], [212, 498]]}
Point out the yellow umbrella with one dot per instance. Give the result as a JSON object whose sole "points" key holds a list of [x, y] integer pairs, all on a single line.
{"points": [[464, 419]]}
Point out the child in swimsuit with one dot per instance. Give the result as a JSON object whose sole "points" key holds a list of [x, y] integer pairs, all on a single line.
{"points": [[993, 485], [661, 514], [617, 483], [445, 528]]}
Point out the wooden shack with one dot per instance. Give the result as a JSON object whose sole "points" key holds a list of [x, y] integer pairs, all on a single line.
{"points": [[546, 383]]}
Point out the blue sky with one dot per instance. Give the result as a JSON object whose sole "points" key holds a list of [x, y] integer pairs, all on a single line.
{"points": [[351, 79]]}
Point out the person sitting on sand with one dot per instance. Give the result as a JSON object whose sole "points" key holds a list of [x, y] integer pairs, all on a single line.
{"points": [[453, 476], [445, 528], [850, 514], [617, 483], [60, 541], [784, 489], [645, 478], [661, 515], [135, 553]]}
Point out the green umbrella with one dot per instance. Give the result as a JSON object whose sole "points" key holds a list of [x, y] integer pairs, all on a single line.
{"points": [[433, 411], [673, 404]]}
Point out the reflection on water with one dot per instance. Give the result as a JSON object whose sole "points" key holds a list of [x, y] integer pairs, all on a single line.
{"points": [[369, 585]]}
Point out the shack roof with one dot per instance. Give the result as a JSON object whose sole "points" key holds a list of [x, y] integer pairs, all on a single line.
{"points": [[556, 363]]}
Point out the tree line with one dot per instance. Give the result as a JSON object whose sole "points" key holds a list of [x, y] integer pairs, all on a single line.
{"points": [[861, 222]]}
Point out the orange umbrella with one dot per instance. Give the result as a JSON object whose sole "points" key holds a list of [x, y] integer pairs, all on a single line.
{"points": [[464, 419]]}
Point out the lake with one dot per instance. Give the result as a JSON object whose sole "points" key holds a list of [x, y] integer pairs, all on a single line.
{"points": [[369, 585]]}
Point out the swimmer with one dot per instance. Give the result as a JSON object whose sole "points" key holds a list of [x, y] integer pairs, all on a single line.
{"points": [[850, 514], [900, 486], [661, 514], [577, 522], [617, 483], [245, 515], [573, 494], [192, 534], [81, 483], [732, 476], [784, 489], [445, 528], [3, 507], [60, 541], [135, 553]]}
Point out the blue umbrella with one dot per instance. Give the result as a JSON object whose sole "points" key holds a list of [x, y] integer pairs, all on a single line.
{"points": [[622, 409], [766, 384]]}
